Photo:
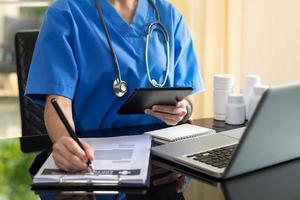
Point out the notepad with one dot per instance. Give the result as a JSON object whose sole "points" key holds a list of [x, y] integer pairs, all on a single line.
{"points": [[180, 132]]}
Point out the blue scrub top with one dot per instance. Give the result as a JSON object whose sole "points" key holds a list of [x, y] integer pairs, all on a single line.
{"points": [[72, 59]]}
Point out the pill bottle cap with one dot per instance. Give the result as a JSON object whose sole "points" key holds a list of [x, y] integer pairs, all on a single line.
{"points": [[235, 99], [251, 79], [223, 81]]}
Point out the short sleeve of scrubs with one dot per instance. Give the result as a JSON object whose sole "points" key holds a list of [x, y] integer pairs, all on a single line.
{"points": [[53, 69], [186, 65]]}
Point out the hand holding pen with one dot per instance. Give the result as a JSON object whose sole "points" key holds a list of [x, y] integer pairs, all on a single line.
{"points": [[73, 154]]}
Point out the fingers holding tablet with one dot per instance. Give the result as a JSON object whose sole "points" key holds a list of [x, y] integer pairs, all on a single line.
{"points": [[171, 115]]}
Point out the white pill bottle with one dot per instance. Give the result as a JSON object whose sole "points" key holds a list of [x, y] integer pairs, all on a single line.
{"points": [[257, 93], [235, 110], [250, 82], [223, 86]]}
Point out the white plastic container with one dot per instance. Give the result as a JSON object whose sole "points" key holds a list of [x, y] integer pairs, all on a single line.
{"points": [[255, 97], [250, 82], [235, 109], [223, 86]]}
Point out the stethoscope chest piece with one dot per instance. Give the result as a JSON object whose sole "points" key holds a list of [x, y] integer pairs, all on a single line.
{"points": [[120, 88]]}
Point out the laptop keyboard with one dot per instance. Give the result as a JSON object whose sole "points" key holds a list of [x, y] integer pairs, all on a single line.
{"points": [[217, 158]]}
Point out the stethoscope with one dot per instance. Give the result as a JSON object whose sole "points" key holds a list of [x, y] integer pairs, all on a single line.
{"points": [[120, 87]]}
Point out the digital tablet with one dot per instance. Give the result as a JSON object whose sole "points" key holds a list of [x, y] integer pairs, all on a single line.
{"points": [[143, 98]]}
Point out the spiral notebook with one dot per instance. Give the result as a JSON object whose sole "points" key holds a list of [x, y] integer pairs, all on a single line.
{"points": [[180, 132]]}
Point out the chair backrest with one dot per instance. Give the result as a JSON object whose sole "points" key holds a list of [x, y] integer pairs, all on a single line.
{"points": [[34, 133]]}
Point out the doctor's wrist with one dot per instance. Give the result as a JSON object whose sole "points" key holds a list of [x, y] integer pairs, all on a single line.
{"points": [[189, 109]]}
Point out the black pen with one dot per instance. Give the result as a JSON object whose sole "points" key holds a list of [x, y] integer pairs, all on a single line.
{"points": [[69, 128]]}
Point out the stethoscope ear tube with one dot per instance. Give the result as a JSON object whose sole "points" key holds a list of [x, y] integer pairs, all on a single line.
{"points": [[157, 25]]}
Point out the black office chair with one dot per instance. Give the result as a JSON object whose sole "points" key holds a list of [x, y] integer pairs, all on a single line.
{"points": [[34, 133]]}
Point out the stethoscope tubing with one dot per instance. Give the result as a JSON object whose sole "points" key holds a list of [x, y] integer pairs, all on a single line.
{"points": [[118, 84], [166, 38], [114, 57]]}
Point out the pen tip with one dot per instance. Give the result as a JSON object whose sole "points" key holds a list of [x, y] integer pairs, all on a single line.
{"points": [[90, 164]]}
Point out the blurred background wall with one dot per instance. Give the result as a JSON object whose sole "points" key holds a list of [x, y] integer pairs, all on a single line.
{"points": [[243, 37]]}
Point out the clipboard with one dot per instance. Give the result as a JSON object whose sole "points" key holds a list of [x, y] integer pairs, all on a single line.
{"points": [[93, 188], [67, 183], [143, 98], [106, 174]]}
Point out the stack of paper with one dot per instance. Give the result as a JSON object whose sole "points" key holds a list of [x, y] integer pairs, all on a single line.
{"points": [[117, 161]]}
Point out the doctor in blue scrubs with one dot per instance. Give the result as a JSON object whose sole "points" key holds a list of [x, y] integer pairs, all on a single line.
{"points": [[91, 54]]}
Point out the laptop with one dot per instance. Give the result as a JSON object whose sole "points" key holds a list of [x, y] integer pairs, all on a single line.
{"points": [[272, 136]]}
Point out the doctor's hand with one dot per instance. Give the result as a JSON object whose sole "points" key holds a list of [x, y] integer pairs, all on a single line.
{"points": [[68, 155], [171, 115]]}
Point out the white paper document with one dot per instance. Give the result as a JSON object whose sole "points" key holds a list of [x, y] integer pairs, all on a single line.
{"points": [[118, 160]]}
